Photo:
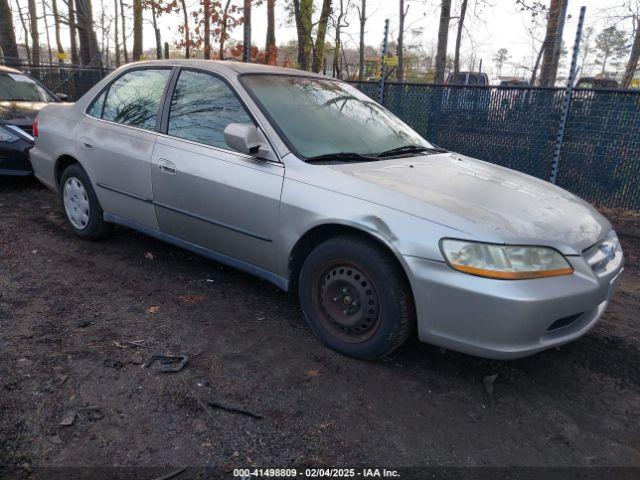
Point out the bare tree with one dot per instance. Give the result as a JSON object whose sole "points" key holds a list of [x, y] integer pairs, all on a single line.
{"points": [[553, 42], [340, 22], [302, 12], [443, 37], [271, 54], [8, 35], [73, 42], [400, 46], [456, 55], [56, 26], [633, 7], [362, 15], [185, 27], [35, 37], [116, 35], [124, 32], [137, 30], [89, 53], [206, 12], [318, 53], [46, 30]]}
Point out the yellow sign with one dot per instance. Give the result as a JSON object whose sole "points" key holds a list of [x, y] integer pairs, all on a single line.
{"points": [[62, 55], [390, 61], [635, 83]]}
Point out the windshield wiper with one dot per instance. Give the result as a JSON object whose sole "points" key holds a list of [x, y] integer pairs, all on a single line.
{"points": [[410, 149], [342, 157]]}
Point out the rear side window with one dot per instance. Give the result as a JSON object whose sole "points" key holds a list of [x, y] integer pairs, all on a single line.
{"points": [[133, 99], [201, 108]]}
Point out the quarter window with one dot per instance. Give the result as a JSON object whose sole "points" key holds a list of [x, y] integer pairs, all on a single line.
{"points": [[201, 108], [134, 98]]}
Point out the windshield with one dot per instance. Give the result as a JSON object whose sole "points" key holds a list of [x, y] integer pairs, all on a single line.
{"points": [[19, 87], [321, 117]]}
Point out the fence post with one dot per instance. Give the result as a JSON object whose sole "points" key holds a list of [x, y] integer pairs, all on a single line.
{"points": [[566, 100], [383, 68]]}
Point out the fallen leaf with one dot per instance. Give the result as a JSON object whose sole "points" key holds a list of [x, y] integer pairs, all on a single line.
{"points": [[313, 373], [190, 299], [153, 310], [148, 255], [68, 418]]}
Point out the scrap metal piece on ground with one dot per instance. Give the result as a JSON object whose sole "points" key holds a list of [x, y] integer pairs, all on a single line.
{"points": [[239, 411], [91, 413], [68, 418], [489, 381], [168, 363]]}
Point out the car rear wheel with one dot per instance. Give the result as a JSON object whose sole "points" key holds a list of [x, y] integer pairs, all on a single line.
{"points": [[355, 297], [81, 207]]}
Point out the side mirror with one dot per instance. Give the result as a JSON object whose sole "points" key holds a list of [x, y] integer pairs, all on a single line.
{"points": [[248, 139], [63, 96]]}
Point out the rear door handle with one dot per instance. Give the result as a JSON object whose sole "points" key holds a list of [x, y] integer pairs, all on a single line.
{"points": [[166, 166], [85, 143]]}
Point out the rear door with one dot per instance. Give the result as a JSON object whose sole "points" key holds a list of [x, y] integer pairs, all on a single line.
{"points": [[115, 141], [204, 192]]}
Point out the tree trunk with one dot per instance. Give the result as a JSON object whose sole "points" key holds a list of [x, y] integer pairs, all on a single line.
{"points": [[336, 54], [25, 31], [156, 31], [271, 53], [124, 33], [206, 12], [553, 43], [303, 10], [246, 43], [8, 35], [632, 64], [456, 56], [400, 46], [117, 42], [56, 25], [137, 30], [187, 37], [318, 53], [363, 20], [223, 29], [443, 37], [89, 53], [46, 31], [534, 73], [73, 43], [35, 37]]}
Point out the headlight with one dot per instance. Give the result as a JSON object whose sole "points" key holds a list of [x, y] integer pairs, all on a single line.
{"points": [[7, 136], [508, 262]]}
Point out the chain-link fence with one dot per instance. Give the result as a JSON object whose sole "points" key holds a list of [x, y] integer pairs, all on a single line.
{"points": [[511, 126], [518, 128], [71, 80]]}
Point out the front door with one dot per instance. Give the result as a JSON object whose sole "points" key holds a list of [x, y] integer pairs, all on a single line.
{"points": [[204, 192], [115, 141]]}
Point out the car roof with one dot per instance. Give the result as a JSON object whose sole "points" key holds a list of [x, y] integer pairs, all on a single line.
{"points": [[227, 66], [8, 70]]}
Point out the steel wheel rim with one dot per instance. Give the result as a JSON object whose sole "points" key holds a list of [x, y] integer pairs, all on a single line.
{"points": [[76, 203], [347, 302]]}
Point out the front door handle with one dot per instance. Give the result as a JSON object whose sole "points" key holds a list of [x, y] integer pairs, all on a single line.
{"points": [[166, 166]]}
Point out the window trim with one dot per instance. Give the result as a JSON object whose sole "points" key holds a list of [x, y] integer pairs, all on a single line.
{"points": [[107, 87], [166, 111]]}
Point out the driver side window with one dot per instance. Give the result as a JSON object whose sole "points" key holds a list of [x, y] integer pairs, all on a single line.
{"points": [[201, 108]]}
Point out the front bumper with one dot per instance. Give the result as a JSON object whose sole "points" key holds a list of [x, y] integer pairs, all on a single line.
{"points": [[506, 319], [14, 158]]}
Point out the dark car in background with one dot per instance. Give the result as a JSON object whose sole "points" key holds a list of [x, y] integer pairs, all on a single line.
{"points": [[21, 98], [598, 83]]}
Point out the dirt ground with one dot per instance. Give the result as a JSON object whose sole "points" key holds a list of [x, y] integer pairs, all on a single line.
{"points": [[77, 320]]}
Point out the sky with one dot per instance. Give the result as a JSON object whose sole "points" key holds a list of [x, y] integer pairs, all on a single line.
{"points": [[499, 24]]}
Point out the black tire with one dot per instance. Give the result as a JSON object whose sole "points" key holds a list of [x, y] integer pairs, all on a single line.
{"points": [[355, 297], [96, 227]]}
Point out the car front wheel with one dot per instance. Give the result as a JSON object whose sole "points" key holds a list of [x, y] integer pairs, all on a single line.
{"points": [[81, 207], [355, 297]]}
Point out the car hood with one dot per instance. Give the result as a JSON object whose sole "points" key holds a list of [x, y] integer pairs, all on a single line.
{"points": [[19, 113], [485, 200]]}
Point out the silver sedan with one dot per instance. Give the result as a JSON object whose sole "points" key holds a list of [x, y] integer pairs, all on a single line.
{"points": [[308, 183]]}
